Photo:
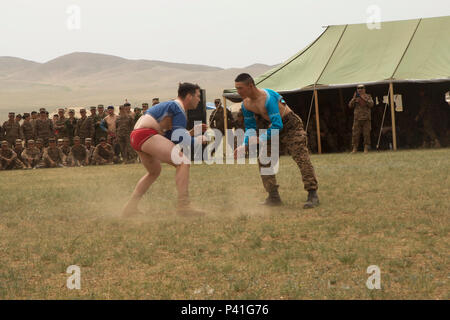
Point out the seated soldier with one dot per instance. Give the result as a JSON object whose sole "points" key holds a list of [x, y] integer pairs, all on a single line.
{"points": [[103, 153], [18, 149], [31, 155], [65, 148], [89, 148], [79, 154], [8, 158], [53, 156]]}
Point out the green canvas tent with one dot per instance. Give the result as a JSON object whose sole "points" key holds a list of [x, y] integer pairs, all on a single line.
{"points": [[345, 55]]}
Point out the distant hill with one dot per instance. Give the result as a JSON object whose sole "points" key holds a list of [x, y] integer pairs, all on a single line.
{"points": [[84, 79]]}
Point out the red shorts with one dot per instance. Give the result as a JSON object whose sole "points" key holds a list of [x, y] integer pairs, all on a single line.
{"points": [[139, 136]]}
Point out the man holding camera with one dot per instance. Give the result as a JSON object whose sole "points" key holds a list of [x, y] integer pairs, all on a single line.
{"points": [[362, 104]]}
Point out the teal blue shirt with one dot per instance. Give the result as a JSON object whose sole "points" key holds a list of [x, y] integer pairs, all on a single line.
{"points": [[271, 105]]}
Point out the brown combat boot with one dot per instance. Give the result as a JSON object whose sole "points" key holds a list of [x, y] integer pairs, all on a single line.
{"points": [[312, 201], [273, 199]]}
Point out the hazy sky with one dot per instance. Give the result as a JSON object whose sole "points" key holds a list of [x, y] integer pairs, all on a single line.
{"points": [[231, 33]]}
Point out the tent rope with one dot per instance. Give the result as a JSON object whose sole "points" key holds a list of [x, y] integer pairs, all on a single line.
{"points": [[382, 121]]}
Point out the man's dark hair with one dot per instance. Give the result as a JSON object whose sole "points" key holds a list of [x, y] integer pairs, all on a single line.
{"points": [[33, 112], [187, 88], [245, 78]]}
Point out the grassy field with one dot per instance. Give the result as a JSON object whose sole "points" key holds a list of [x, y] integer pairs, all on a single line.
{"points": [[388, 209]]}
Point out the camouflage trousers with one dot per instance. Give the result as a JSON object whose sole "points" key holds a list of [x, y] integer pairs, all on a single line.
{"points": [[293, 140], [361, 126], [15, 164]]}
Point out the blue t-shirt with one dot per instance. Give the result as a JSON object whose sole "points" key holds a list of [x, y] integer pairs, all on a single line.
{"points": [[172, 109], [272, 99]]}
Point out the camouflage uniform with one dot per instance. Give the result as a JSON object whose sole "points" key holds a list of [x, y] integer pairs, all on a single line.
{"points": [[361, 119], [12, 131], [60, 128], [66, 151], [124, 126], [27, 130], [55, 154], [44, 130], [98, 132], [9, 154], [79, 155], [103, 155], [31, 156], [69, 125], [84, 128], [292, 139]]}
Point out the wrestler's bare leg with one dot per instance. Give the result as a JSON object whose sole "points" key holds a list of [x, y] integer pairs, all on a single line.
{"points": [[153, 167], [158, 148]]}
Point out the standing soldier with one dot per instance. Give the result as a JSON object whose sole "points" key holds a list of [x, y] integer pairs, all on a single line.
{"points": [[27, 128], [127, 107], [108, 124], [79, 153], [8, 158], [93, 118], [31, 155], [53, 156], [44, 127], [99, 132], [103, 153], [34, 117], [216, 118], [144, 107], [124, 126], [18, 118], [362, 104], [137, 114], [70, 125], [11, 129], [60, 126], [85, 126]]}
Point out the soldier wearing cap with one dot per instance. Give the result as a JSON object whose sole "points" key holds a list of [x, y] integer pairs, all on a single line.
{"points": [[362, 104], [155, 101], [137, 114], [95, 119], [18, 118], [53, 156], [144, 107], [79, 154], [44, 128], [103, 153], [31, 155], [70, 125], [8, 158], [65, 148], [27, 128], [18, 149], [89, 148], [124, 125], [85, 126], [11, 130], [60, 127], [34, 117]]}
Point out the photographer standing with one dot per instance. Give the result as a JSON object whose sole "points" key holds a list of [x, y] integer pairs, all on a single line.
{"points": [[362, 104]]}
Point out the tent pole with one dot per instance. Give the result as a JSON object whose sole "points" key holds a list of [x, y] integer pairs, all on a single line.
{"points": [[319, 145], [225, 123], [394, 133]]}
